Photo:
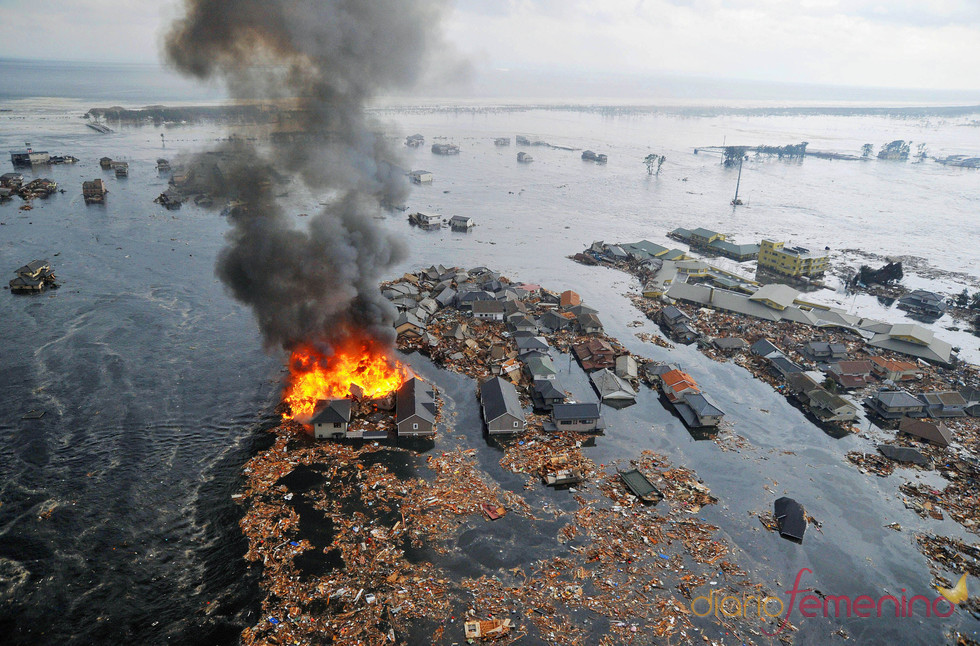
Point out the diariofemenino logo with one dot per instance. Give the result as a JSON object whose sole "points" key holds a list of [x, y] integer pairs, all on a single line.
{"points": [[811, 605]]}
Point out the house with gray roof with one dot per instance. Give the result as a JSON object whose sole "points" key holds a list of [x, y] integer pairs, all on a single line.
{"points": [[514, 307], [800, 383], [461, 223], [519, 322], [546, 393], [415, 409], [914, 341], [775, 295], [895, 404], [465, 300], [824, 352], [947, 403], [580, 309], [445, 297], [554, 322], [488, 310], [674, 322], [589, 324], [612, 388], [780, 366], [764, 348], [409, 324], [697, 410], [972, 398], [331, 419], [502, 411], [923, 303], [904, 454], [830, 407], [580, 418], [729, 343], [527, 345]]}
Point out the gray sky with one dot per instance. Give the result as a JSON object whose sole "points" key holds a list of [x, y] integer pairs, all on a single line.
{"points": [[892, 43]]}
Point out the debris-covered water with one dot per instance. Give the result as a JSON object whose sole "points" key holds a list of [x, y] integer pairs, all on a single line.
{"points": [[117, 521]]}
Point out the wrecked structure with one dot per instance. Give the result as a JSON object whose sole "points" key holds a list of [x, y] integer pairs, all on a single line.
{"points": [[712, 242], [93, 192], [33, 277], [421, 177]]}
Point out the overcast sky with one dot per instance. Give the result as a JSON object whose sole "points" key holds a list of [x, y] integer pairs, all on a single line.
{"points": [[890, 43]]}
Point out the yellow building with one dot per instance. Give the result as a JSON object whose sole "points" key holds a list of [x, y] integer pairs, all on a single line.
{"points": [[792, 261]]}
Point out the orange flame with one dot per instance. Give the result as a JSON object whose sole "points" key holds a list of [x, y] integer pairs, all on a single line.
{"points": [[356, 362]]}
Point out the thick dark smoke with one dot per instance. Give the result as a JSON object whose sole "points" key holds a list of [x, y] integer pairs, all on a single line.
{"points": [[321, 60]]}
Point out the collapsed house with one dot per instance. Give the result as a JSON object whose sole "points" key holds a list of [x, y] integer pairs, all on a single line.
{"points": [[611, 387], [33, 277], [93, 192]]}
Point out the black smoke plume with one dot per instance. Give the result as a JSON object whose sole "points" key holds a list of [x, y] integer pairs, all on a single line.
{"points": [[319, 62]]}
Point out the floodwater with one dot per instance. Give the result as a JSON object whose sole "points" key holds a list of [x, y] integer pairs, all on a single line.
{"points": [[156, 389]]}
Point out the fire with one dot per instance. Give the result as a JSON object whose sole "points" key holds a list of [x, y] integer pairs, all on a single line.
{"points": [[357, 362]]}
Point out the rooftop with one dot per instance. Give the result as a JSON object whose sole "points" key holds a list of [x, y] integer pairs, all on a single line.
{"points": [[575, 411], [413, 398], [782, 295], [336, 411], [499, 397]]}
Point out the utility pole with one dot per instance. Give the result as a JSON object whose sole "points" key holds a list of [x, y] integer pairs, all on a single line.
{"points": [[735, 201]]}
